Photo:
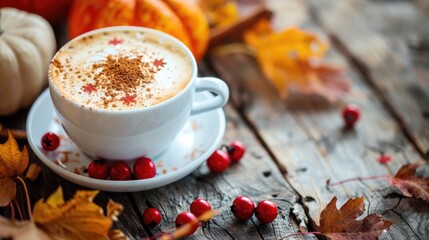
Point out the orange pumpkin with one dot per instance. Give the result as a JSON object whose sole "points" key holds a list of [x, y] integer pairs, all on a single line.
{"points": [[182, 19], [52, 10]]}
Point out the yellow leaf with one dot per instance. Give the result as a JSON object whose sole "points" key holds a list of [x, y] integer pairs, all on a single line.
{"points": [[78, 218], [293, 58], [220, 13], [114, 209], [12, 163]]}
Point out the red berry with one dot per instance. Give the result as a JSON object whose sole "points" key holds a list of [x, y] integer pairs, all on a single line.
{"points": [[50, 141], [351, 115], [98, 169], [152, 217], [218, 161], [236, 151], [144, 168], [120, 171], [243, 208], [266, 211], [200, 206], [187, 218], [384, 159]]}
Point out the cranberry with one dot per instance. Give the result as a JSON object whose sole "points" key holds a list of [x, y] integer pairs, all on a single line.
{"points": [[98, 169], [50, 141], [144, 168], [152, 217], [236, 151], [384, 159], [351, 115], [266, 211], [200, 206], [243, 208], [187, 218], [218, 161], [120, 171]]}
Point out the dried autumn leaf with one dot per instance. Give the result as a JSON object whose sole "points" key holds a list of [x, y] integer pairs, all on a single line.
{"points": [[220, 13], [338, 224], [293, 58], [409, 183], [12, 163], [78, 218], [21, 230]]}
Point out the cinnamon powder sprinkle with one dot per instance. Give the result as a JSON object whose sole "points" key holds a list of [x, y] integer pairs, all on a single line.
{"points": [[122, 74], [57, 64]]}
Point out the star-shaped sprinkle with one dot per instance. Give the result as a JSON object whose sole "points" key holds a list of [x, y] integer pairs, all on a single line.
{"points": [[159, 63], [115, 41], [128, 99], [89, 88]]}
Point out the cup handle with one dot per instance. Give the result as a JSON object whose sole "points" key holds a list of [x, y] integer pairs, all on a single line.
{"points": [[211, 84]]}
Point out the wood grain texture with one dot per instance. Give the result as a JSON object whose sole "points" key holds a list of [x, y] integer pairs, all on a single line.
{"points": [[378, 36], [306, 134], [256, 176]]}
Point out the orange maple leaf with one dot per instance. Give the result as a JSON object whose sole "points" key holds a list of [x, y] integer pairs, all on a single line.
{"points": [[78, 218], [339, 224], [293, 58], [12, 163], [409, 183]]}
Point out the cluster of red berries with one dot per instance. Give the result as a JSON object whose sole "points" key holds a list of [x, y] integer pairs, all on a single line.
{"points": [[152, 216], [143, 168], [243, 209], [351, 114], [220, 160]]}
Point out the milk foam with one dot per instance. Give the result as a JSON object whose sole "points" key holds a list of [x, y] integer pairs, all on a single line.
{"points": [[120, 70]]}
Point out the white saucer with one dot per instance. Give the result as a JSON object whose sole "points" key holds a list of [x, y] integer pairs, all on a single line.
{"points": [[194, 144]]}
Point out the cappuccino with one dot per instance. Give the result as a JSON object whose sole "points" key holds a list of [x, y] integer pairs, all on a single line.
{"points": [[120, 70]]}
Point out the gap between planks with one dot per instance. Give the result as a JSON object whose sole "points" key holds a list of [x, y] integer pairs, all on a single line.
{"points": [[311, 224], [363, 71]]}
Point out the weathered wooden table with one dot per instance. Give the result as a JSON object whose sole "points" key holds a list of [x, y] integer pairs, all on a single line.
{"points": [[294, 146]]}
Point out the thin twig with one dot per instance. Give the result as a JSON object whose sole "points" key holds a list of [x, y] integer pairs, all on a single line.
{"points": [[27, 197], [329, 184], [18, 209], [12, 211], [16, 133]]}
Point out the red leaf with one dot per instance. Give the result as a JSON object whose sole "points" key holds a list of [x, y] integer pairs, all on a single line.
{"points": [[342, 224], [409, 184]]}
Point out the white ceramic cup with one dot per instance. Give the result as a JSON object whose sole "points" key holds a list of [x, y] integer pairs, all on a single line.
{"points": [[129, 134]]}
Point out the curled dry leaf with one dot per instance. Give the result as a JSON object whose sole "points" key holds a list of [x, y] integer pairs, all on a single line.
{"points": [[409, 183], [339, 224], [78, 218], [12, 163], [293, 58]]}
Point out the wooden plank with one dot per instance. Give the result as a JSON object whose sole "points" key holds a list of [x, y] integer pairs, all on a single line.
{"points": [[255, 176], [306, 135], [377, 35]]}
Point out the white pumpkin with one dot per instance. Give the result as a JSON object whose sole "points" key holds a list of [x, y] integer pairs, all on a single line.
{"points": [[27, 44]]}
